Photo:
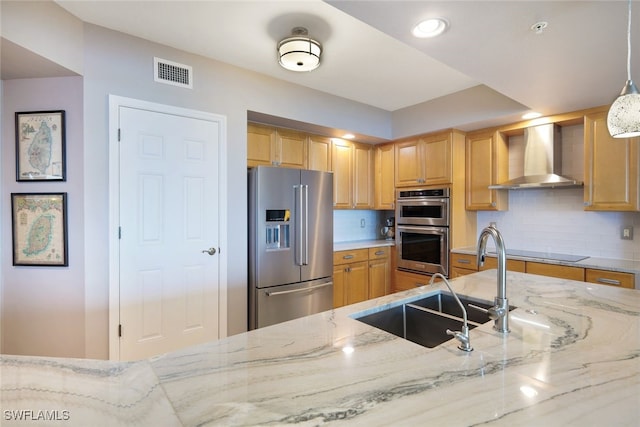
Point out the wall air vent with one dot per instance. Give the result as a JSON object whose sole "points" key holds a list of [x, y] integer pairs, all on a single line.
{"points": [[172, 73]]}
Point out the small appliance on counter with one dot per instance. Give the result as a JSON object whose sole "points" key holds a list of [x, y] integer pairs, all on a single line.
{"points": [[388, 231]]}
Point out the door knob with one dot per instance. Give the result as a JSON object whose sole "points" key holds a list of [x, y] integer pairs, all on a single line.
{"points": [[210, 251]]}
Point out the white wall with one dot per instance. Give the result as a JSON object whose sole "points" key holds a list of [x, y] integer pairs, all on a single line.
{"points": [[554, 220], [43, 307], [347, 224]]}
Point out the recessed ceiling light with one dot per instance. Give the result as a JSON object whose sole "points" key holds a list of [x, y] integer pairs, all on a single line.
{"points": [[531, 115], [348, 136], [430, 27]]}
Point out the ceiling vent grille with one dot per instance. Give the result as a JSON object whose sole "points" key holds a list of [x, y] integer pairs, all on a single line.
{"points": [[172, 73]]}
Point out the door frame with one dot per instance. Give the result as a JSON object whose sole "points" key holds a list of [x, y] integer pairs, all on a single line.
{"points": [[115, 102]]}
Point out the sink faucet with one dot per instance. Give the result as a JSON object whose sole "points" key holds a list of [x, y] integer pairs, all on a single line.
{"points": [[462, 336], [500, 311]]}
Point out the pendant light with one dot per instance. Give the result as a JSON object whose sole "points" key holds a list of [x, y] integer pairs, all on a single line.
{"points": [[623, 119], [299, 52]]}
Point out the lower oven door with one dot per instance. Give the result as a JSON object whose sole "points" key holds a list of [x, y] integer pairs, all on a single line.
{"points": [[423, 249]]}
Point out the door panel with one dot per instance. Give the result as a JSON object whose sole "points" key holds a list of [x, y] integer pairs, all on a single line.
{"points": [[168, 217]]}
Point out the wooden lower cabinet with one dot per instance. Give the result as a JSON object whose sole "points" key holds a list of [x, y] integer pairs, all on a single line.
{"points": [[611, 278], [360, 274], [405, 280], [512, 264], [555, 270]]}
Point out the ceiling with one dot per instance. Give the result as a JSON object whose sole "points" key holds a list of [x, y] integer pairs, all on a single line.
{"points": [[371, 57]]}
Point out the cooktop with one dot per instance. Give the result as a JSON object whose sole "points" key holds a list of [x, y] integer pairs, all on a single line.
{"points": [[544, 255]]}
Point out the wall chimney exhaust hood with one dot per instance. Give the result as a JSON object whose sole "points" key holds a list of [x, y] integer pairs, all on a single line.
{"points": [[542, 161]]}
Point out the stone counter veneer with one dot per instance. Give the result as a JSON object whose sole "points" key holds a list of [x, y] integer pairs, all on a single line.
{"points": [[572, 358]]}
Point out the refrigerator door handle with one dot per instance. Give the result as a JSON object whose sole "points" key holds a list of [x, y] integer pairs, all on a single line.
{"points": [[299, 223], [273, 294], [305, 193]]}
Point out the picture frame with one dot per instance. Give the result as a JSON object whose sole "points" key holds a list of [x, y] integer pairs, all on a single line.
{"points": [[40, 146], [39, 229]]}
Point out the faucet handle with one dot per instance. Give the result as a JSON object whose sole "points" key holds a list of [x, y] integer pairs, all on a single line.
{"points": [[465, 342], [493, 312]]}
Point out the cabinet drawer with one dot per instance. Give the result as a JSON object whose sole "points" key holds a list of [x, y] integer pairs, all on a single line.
{"points": [[613, 278], [377, 253], [346, 257], [554, 270], [512, 264], [465, 261], [405, 281]]}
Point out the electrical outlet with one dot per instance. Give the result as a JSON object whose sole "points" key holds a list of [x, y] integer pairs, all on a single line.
{"points": [[627, 233], [362, 223]]}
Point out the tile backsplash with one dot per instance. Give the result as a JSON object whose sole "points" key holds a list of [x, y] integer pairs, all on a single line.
{"points": [[347, 224], [553, 220]]}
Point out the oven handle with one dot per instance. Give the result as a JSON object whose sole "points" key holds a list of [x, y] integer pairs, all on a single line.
{"points": [[422, 228]]}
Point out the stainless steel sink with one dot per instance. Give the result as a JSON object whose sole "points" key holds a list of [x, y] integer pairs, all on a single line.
{"points": [[425, 321]]}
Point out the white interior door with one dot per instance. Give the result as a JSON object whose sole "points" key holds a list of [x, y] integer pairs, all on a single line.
{"points": [[169, 232]]}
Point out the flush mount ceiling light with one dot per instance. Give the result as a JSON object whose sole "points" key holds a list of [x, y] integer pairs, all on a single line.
{"points": [[299, 52], [430, 28], [623, 119]]}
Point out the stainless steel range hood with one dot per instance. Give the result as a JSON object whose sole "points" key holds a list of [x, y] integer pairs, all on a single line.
{"points": [[542, 161]]}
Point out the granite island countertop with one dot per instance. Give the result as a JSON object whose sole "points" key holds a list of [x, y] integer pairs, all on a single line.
{"points": [[572, 358]]}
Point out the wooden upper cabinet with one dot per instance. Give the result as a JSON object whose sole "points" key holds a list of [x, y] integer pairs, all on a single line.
{"points": [[261, 143], [269, 146], [611, 177], [319, 150], [423, 161], [342, 164], [384, 186], [437, 159], [409, 160], [487, 163], [363, 176], [291, 149]]}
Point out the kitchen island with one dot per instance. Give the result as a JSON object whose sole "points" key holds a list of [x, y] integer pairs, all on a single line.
{"points": [[572, 358]]}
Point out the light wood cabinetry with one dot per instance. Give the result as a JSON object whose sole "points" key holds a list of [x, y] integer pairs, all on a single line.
{"points": [[350, 277], [612, 278], [405, 280], [555, 270], [487, 163], [319, 150], [611, 176], [385, 197], [267, 145], [352, 175], [361, 274], [423, 161], [379, 272], [462, 264]]}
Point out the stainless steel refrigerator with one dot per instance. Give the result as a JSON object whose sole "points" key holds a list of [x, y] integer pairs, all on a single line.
{"points": [[290, 244]]}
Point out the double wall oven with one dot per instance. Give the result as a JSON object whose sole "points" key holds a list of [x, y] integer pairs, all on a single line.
{"points": [[422, 230]]}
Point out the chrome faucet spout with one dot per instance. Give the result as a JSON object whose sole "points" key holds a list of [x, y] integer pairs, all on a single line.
{"points": [[501, 308], [462, 336]]}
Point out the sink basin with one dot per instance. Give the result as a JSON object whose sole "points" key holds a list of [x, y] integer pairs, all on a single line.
{"points": [[425, 321]]}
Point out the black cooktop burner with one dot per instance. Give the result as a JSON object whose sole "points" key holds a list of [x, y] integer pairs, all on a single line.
{"points": [[544, 255]]}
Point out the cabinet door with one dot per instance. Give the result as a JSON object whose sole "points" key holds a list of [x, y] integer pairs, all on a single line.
{"points": [[363, 176], [357, 282], [261, 145], [319, 149], [486, 164], [409, 164], [610, 169], [342, 163], [291, 149], [385, 197], [338, 285], [379, 277], [555, 270], [437, 157]]}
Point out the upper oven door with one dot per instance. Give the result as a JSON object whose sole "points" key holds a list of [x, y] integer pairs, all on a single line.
{"points": [[434, 212]]}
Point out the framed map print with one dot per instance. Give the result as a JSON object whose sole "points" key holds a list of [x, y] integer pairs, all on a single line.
{"points": [[39, 222], [40, 146]]}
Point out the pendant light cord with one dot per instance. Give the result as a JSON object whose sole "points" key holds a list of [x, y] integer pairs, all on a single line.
{"points": [[629, 44]]}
